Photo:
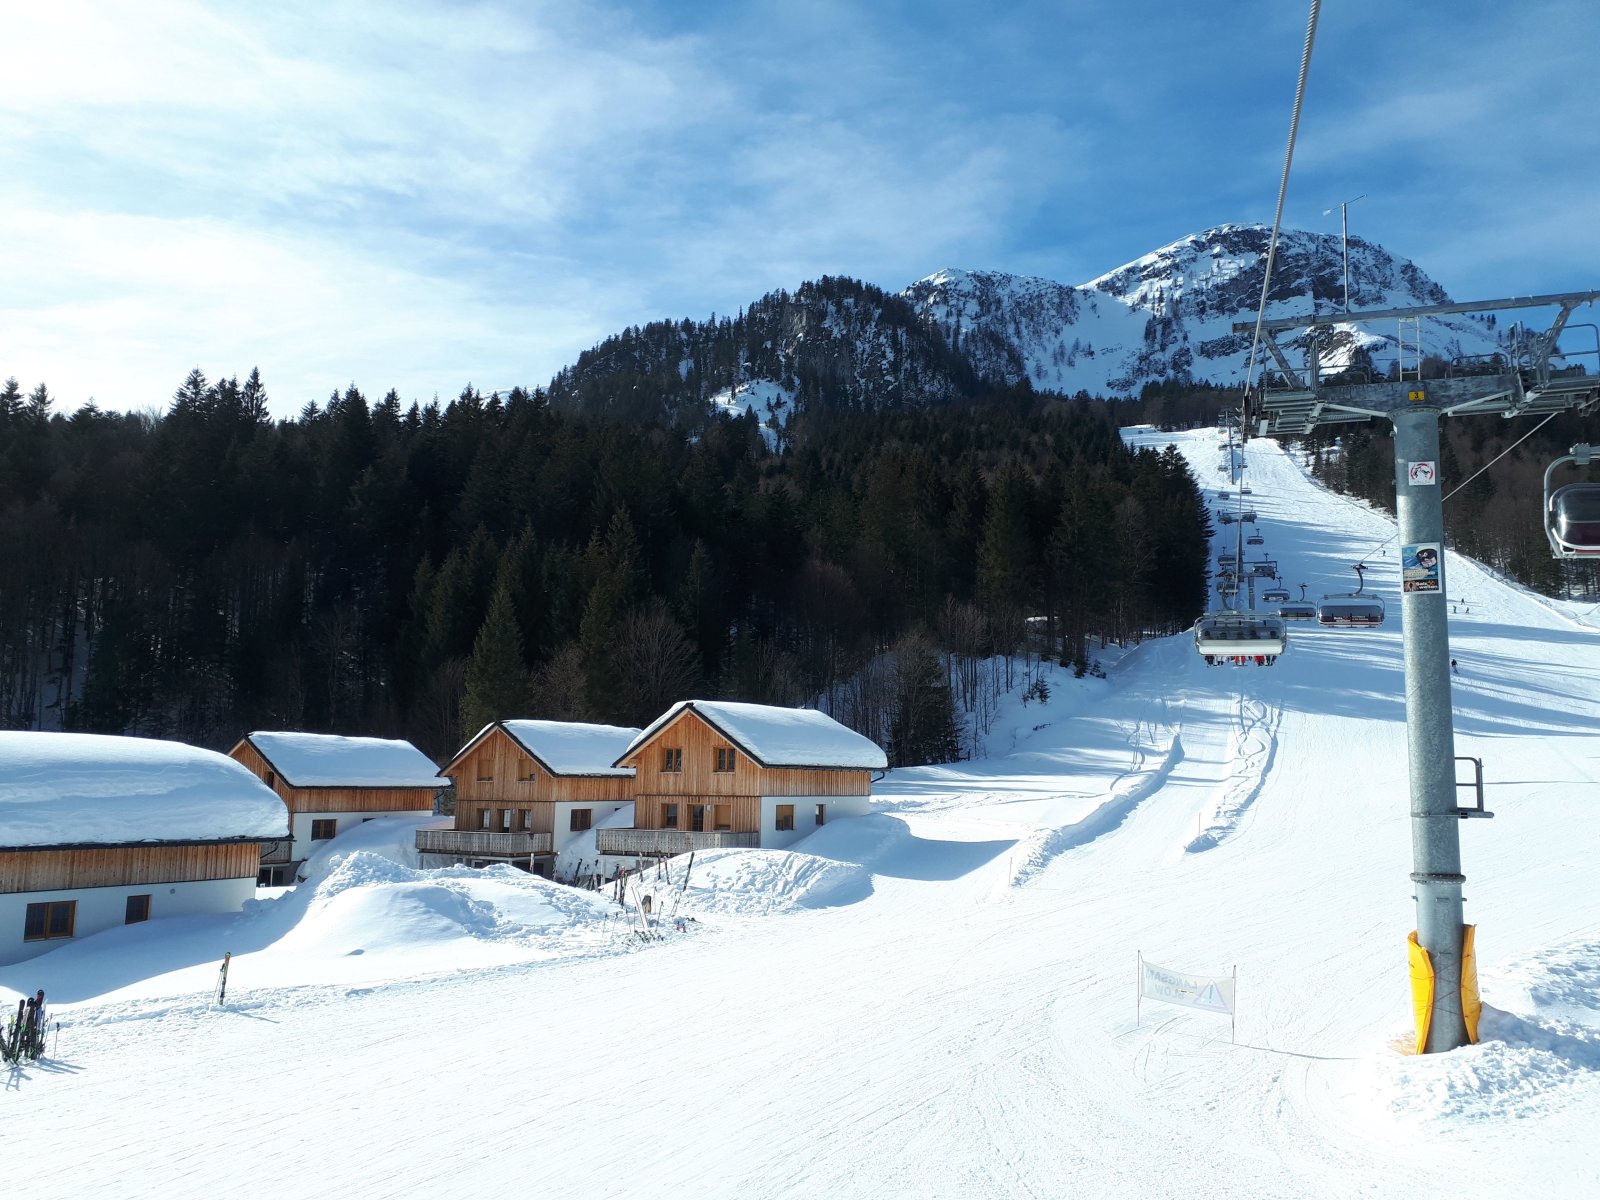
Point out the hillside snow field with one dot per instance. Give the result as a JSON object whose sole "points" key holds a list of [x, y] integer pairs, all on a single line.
{"points": [[938, 999]]}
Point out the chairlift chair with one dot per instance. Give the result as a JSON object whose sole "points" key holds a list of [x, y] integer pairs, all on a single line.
{"points": [[1276, 596], [1351, 610], [1225, 518], [1572, 511], [1229, 637], [1264, 569], [1244, 491], [1255, 539], [1298, 610]]}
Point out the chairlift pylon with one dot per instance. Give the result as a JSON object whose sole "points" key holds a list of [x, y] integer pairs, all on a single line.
{"points": [[1572, 511]]}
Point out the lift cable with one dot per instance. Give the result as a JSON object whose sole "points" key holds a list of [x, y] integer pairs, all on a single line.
{"points": [[1453, 491], [1283, 188]]}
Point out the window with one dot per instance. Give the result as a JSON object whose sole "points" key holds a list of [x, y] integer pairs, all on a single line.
{"points": [[726, 756], [527, 820], [822, 815], [697, 818], [525, 770], [669, 816], [52, 919], [671, 759], [321, 831], [582, 818], [722, 816], [505, 820], [785, 818], [138, 910], [484, 773], [484, 816]]}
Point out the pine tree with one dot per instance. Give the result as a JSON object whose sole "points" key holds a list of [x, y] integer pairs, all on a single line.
{"points": [[922, 726], [10, 400], [497, 678]]}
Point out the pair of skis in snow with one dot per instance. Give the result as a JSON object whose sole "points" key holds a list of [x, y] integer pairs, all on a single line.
{"points": [[25, 1038]]}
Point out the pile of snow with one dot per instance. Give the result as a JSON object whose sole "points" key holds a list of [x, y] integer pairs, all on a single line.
{"points": [[581, 853], [746, 883]]}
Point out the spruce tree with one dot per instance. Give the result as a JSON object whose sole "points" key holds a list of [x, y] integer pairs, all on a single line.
{"points": [[497, 678]]}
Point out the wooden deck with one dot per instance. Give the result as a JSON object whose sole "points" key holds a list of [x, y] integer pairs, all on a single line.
{"points": [[664, 843]]}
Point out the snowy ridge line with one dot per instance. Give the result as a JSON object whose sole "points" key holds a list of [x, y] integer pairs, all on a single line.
{"points": [[1041, 847], [1252, 745]]}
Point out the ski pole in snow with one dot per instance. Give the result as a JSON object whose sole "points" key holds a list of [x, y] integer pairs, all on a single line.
{"points": [[222, 980], [55, 1049]]}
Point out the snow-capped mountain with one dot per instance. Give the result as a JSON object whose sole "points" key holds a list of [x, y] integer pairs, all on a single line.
{"points": [[1169, 314], [844, 345]]}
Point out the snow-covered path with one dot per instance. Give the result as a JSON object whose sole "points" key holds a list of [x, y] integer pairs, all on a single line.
{"points": [[965, 1025]]}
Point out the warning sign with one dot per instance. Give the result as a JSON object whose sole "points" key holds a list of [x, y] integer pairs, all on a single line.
{"points": [[1423, 474]]}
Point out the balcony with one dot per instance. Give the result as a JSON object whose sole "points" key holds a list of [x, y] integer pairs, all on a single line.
{"points": [[663, 843], [277, 853], [474, 843]]}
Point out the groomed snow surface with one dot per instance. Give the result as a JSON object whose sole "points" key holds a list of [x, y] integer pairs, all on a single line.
{"points": [[936, 1000]]}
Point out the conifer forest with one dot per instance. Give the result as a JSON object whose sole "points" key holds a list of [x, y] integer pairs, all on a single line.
{"points": [[417, 570]]}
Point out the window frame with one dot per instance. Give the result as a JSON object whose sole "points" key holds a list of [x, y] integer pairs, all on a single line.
{"points": [[329, 823], [573, 817], [672, 760], [130, 908], [783, 818], [669, 814], [727, 760], [45, 911]]}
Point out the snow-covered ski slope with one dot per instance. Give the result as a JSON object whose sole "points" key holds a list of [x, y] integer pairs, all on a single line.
{"points": [[936, 1000]]}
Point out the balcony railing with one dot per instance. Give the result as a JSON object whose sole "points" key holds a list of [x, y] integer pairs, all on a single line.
{"points": [[667, 842], [276, 853], [475, 843]]}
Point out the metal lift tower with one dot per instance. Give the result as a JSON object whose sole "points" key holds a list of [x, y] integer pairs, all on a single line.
{"points": [[1522, 382]]}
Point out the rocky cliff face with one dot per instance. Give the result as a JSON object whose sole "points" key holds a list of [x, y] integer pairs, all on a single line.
{"points": [[1169, 314]]}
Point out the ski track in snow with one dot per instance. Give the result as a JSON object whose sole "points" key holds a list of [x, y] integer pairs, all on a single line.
{"points": [[934, 1000]]}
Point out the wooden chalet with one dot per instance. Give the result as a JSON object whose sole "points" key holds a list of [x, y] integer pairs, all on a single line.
{"points": [[99, 831], [713, 773], [525, 789], [331, 783]]}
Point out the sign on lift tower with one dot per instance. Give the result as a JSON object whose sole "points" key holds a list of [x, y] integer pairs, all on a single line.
{"points": [[1525, 382]]}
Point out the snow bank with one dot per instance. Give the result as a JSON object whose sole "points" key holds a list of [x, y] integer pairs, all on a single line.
{"points": [[1526, 1064], [747, 883], [364, 902]]}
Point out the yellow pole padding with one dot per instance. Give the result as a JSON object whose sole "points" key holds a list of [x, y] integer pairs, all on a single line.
{"points": [[1471, 1005], [1421, 988]]}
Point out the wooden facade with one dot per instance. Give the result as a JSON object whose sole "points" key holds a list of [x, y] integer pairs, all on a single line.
{"points": [[496, 774], [731, 798], [333, 799], [56, 870]]}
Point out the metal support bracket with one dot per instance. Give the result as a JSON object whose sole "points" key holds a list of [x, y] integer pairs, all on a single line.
{"points": [[1476, 784]]}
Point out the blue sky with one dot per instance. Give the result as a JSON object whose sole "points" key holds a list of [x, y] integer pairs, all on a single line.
{"points": [[416, 194]]}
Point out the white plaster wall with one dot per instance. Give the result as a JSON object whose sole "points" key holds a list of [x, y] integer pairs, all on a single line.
{"points": [[300, 827], [562, 817], [805, 816], [102, 908]]}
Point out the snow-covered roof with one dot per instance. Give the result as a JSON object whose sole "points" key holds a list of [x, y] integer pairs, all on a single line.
{"points": [[778, 737], [328, 760], [89, 788], [571, 748]]}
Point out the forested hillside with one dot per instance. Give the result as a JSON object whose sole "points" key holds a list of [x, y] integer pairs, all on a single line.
{"points": [[415, 570]]}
